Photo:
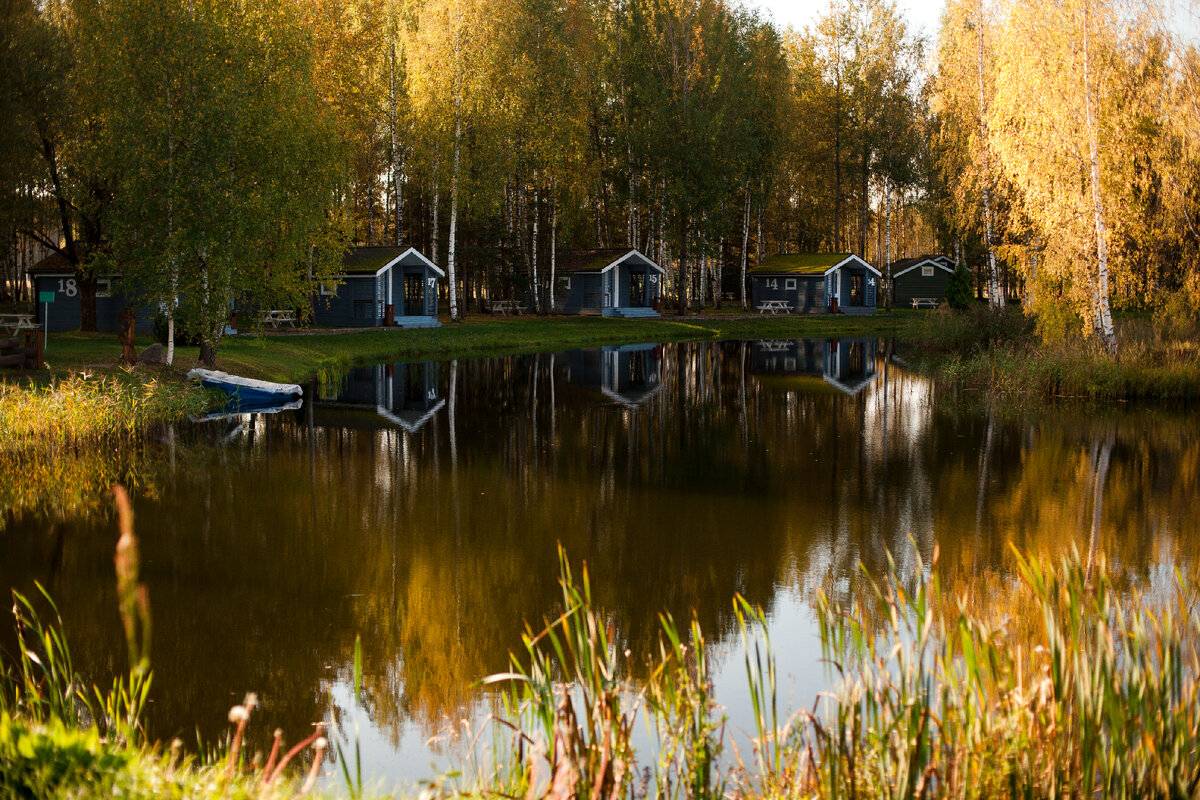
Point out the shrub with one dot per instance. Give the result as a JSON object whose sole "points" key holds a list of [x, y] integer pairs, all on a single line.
{"points": [[958, 289]]}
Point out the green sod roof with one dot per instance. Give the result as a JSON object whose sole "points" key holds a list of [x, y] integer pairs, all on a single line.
{"points": [[588, 260], [368, 259], [801, 263]]}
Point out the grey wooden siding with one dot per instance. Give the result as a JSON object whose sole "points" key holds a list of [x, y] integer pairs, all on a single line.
{"points": [[808, 295], [358, 295], [914, 284], [66, 309]]}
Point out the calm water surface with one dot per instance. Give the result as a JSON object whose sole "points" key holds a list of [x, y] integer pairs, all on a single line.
{"points": [[419, 505]]}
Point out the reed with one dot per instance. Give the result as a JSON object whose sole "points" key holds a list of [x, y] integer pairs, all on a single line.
{"points": [[931, 698], [85, 406]]}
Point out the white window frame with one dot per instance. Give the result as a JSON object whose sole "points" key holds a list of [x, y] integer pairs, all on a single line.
{"points": [[927, 272], [326, 291], [789, 284], [106, 291]]}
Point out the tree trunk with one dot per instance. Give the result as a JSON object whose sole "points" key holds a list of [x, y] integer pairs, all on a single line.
{"points": [[995, 297], [887, 243], [397, 157], [553, 244], [745, 245], [451, 262], [684, 306], [537, 300], [1103, 322]]}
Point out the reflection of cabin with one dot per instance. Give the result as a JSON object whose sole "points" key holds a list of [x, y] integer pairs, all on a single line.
{"points": [[626, 374], [815, 365], [816, 282], [405, 396], [616, 282], [923, 277], [378, 282], [55, 274]]}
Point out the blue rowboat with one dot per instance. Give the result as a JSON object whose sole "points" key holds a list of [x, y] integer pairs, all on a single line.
{"points": [[247, 391]]}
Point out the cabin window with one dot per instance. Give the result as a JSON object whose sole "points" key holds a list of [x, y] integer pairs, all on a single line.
{"points": [[104, 287], [326, 291], [789, 284], [567, 283], [926, 272]]}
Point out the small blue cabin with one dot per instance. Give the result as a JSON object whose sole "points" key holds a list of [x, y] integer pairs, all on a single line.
{"points": [[628, 374], [378, 285], [815, 366], [923, 278], [404, 396], [55, 274], [612, 282], [820, 282]]}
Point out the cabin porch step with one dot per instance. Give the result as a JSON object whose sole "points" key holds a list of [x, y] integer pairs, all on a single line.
{"points": [[631, 313], [415, 321]]}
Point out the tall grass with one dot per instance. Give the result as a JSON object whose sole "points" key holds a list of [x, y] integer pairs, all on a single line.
{"points": [[83, 406], [1001, 355], [930, 700]]}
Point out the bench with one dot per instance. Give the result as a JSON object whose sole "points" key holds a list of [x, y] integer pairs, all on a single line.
{"points": [[774, 306], [15, 323], [925, 302], [506, 307], [278, 317]]}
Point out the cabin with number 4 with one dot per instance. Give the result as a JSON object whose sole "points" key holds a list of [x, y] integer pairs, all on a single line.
{"points": [[380, 286], [920, 282], [820, 282], [612, 282]]}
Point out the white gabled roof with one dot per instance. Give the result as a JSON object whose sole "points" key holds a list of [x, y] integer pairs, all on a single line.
{"points": [[849, 259], [633, 252], [930, 261]]}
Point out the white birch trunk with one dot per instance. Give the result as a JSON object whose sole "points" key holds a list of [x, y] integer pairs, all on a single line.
{"points": [[433, 213], [397, 158], [537, 289], [1104, 323], [995, 296], [745, 244], [553, 260], [451, 262], [887, 241]]}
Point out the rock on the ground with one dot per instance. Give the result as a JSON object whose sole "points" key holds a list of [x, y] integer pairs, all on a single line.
{"points": [[154, 354]]}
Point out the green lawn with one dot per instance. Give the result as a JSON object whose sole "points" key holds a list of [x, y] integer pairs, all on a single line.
{"points": [[294, 356]]}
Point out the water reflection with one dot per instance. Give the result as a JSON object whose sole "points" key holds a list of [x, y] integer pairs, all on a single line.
{"points": [[419, 505]]}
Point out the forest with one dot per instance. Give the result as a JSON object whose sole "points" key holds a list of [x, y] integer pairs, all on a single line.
{"points": [[208, 150]]}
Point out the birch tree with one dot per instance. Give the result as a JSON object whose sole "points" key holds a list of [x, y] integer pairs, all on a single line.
{"points": [[1057, 129], [221, 196]]}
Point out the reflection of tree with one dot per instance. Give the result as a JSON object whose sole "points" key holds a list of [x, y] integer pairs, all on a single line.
{"points": [[265, 556]]}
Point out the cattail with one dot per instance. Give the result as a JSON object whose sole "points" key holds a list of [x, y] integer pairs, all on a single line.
{"points": [[266, 773], [240, 716], [319, 745]]}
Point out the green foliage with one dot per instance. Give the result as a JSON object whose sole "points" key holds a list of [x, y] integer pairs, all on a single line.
{"points": [[55, 759], [959, 294]]}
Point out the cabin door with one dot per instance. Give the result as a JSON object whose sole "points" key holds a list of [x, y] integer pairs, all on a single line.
{"points": [[637, 289], [414, 295], [857, 289]]}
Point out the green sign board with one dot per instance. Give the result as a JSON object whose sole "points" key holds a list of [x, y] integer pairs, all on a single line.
{"points": [[45, 297]]}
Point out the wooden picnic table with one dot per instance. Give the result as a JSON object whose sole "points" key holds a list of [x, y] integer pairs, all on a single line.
{"points": [[15, 322], [774, 306], [925, 302], [278, 317], [506, 307]]}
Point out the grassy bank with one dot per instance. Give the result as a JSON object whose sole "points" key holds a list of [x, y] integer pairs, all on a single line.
{"points": [[1001, 355], [83, 393], [293, 356]]}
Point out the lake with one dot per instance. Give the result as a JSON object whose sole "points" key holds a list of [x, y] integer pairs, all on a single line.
{"points": [[420, 506]]}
